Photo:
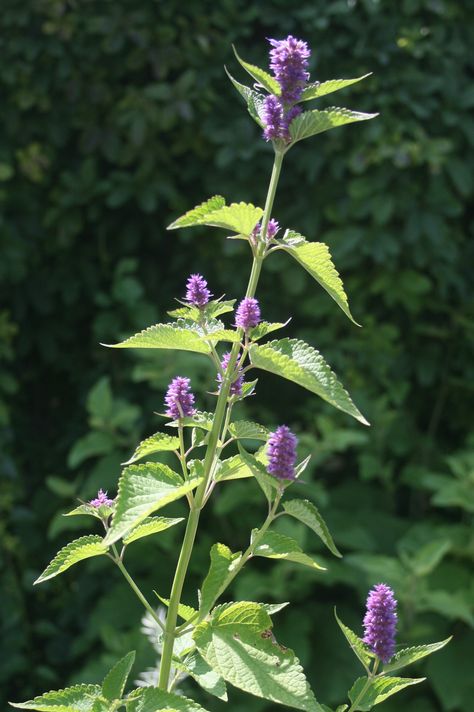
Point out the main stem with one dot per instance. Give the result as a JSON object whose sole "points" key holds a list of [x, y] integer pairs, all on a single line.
{"points": [[195, 512]]}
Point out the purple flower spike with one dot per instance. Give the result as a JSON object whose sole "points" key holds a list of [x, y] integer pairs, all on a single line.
{"points": [[197, 292], [380, 622], [289, 62], [272, 229], [236, 387], [282, 453], [101, 500], [248, 313], [273, 119], [179, 399]]}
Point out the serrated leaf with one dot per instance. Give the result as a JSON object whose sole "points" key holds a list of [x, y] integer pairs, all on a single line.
{"points": [[278, 546], [184, 611], [241, 616], [237, 217], [205, 676], [316, 260], [260, 75], [116, 679], [199, 213], [233, 468], [379, 690], [213, 309], [83, 548], [223, 561], [247, 390], [180, 335], [254, 99], [298, 362], [257, 664], [407, 656], [79, 698], [360, 649], [306, 512], [200, 419], [314, 91], [244, 429], [268, 484], [152, 699], [151, 525], [264, 328], [310, 123], [159, 442], [143, 489], [88, 510]]}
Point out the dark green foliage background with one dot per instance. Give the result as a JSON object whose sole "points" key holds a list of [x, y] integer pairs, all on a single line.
{"points": [[117, 117]]}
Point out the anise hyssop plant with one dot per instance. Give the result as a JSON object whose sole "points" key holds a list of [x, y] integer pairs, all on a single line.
{"points": [[218, 643]]}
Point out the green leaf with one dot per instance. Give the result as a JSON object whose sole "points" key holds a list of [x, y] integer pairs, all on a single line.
{"points": [[181, 335], [306, 512], [298, 362], [407, 656], [264, 328], [278, 546], [152, 699], [79, 698], [151, 525], [361, 650], [260, 75], [257, 664], [83, 548], [199, 213], [144, 489], [237, 217], [268, 484], [244, 429], [241, 616], [184, 611], [233, 468], [314, 91], [89, 510], [91, 445], [379, 690], [159, 442], [314, 122], [254, 99], [223, 561], [274, 608], [316, 260], [200, 419], [116, 679], [247, 390], [205, 676]]}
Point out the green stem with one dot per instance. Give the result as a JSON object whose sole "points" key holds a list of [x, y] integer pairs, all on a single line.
{"points": [[138, 593], [193, 519], [361, 694]]}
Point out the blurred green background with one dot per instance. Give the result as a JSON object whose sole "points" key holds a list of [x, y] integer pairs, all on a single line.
{"points": [[117, 117]]}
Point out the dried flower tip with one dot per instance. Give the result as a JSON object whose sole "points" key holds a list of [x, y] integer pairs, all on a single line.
{"points": [[380, 622], [237, 383], [101, 500], [248, 313], [179, 399], [282, 453], [197, 292]]}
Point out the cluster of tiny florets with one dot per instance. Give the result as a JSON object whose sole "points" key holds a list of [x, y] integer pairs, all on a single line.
{"points": [[248, 313], [102, 500], [238, 378], [179, 399], [272, 229], [380, 622], [282, 453], [197, 292]]}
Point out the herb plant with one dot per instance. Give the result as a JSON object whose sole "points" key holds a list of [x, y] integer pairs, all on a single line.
{"points": [[218, 643]]}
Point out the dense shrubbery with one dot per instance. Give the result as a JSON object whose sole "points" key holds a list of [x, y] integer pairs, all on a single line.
{"points": [[106, 130]]}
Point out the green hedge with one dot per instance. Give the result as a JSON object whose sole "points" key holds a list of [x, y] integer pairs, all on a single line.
{"points": [[116, 118]]}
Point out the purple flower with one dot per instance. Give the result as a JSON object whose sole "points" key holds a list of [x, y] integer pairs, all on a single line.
{"points": [[289, 61], [179, 399], [248, 313], [101, 500], [236, 387], [273, 119], [197, 292], [282, 453], [380, 622], [272, 229]]}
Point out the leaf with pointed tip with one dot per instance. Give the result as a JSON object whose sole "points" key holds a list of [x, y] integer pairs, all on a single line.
{"points": [[268, 484], [151, 525], [152, 699], [278, 546], [310, 123], [361, 650], [180, 335], [199, 213], [143, 489], [223, 561], [184, 611], [264, 328], [314, 91], [407, 656], [274, 608], [116, 679], [253, 99], [89, 510], [205, 676], [306, 512], [298, 362], [260, 75], [244, 429], [379, 690], [200, 419], [237, 217], [213, 309], [159, 442], [316, 260], [79, 698], [83, 548], [247, 390], [233, 468]]}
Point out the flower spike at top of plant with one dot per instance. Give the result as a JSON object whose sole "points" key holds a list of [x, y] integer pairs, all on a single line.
{"points": [[248, 313], [197, 292], [237, 383], [282, 453], [380, 622], [179, 399], [101, 500]]}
